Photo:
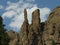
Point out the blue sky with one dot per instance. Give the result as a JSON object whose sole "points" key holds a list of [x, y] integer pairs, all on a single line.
{"points": [[12, 11], [48, 3]]}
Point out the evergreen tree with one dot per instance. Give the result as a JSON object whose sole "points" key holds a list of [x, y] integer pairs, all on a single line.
{"points": [[3, 34]]}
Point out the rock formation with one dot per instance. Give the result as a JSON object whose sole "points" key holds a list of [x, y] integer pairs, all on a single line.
{"points": [[38, 33], [35, 31], [13, 37], [51, 33], [24, 30], [30, 34]]}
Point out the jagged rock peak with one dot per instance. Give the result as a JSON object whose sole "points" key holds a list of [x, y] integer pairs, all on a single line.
{"points": [[25, 14], [58, 7], [37, 34], [55, 14], [51, 32], [13, 37], [36, 18], [24, 30], [37, 11], [36, 14], [25, 11]]}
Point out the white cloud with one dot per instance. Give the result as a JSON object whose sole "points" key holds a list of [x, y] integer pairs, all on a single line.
{"points": [[17, 21], [16, 10], [1, 7], [43, 13], [29, 13], [9, 14]]}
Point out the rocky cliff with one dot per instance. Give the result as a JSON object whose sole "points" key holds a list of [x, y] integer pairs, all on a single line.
{"points": [[35, 33], [24, 30], [39, 33], [13, 37], [31, 34], [51, 33]]}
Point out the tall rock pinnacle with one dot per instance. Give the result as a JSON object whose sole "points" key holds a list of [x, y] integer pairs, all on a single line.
{"points": [[25, 15], [34, 29], [24, 30], [37, 33], [36, 20]]}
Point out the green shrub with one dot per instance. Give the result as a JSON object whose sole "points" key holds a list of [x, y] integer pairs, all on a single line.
{"points": [[3, 34]]}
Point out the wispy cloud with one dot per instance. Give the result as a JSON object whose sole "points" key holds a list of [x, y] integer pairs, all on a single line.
{"points": [[15, 10], [44, 13], [9, 14], [1, 7]]}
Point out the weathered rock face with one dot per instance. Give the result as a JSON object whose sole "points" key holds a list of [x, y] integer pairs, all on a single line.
{"points": [[31, 34], [38, 33], [13, 37], [24, 30], [51, 32], [36, 21], [34, 29]]}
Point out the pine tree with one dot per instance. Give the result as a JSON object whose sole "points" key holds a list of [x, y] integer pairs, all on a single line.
{"points": [[3, 34]]}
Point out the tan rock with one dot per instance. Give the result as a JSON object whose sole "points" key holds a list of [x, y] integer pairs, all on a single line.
{"points": [[38, 33], [24, 30], [13, 37], [52, 28]]}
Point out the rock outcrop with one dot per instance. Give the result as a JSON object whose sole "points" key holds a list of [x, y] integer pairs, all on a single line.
{"points": [[13, 37], [34, 29], [45, 33], [51, 33], [31, 34], [24, 30], [38, 33]]}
